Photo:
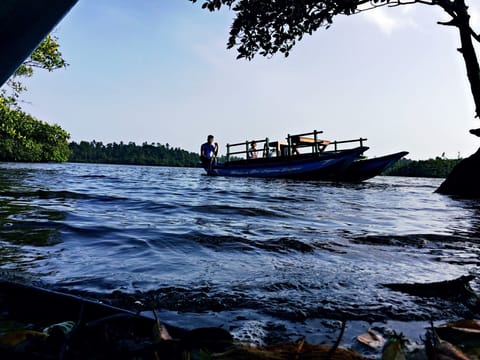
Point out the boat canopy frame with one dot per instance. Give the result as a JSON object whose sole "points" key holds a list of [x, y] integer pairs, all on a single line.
{"points": [[288, 148]]}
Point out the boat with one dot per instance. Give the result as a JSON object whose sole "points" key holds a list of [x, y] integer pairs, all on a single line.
{"points": [[364, 169], [292, 167], [37, 323], [286, 160], [283, 160]]}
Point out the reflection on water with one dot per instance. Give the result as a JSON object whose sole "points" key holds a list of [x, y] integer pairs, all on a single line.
{"points": [[24, 226], [255, 254]]}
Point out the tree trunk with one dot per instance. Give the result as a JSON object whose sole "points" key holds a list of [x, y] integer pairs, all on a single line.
{"points": [[464, 180], [468, 52]]}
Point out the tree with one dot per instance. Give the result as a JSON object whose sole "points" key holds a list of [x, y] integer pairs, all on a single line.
{"points": [[270, 26], [436, 168], [46, 56], [24, 138]]}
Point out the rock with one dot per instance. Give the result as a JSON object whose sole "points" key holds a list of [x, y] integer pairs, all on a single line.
{"points": [[458, 289], [464, 180]]}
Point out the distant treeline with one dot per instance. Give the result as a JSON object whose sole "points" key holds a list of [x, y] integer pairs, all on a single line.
{"points": [[433, 168], [131, 153]]}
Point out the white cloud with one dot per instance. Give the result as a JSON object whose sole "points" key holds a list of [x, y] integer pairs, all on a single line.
{"points": [[387, 23]]}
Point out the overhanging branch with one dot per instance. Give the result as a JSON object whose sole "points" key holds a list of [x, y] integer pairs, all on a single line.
{"points": [[475, 35], [452, 22], [396, 3], [401, 3]]}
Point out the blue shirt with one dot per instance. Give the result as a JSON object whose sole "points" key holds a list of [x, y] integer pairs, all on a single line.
{"points": [[207, 149]]}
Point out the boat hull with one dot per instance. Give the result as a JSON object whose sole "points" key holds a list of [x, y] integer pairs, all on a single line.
{"points": [[362, 170], [305, 166]]}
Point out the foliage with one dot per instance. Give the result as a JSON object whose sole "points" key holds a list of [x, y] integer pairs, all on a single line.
{"points": [[46, 56], [270, 26], [146, 154], [266, 26], [434, 168], [25, 138]]}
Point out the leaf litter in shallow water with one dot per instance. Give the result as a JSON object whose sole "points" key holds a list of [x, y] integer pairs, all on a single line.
{"points": [[394, 349], [371, 339], [465, 334], [438, 348], [300, 351]]}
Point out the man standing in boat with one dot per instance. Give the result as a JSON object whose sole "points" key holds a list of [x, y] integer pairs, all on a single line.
{"points": [[208, 152]]}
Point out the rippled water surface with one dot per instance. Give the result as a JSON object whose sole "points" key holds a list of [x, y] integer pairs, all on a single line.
{"points": [[257, 256]]}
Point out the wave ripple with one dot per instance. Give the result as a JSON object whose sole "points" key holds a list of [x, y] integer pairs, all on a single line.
{"points": [[284, 253]]}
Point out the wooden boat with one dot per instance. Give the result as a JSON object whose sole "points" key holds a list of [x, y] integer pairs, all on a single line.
{"points": [[292, 167], [283, 160], [37, 323], [23, 25], [361, 170]]}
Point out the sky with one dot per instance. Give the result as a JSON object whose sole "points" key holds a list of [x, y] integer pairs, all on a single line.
{"points": [[159, 71]]}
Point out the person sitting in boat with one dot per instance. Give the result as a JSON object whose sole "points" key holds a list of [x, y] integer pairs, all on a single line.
{"points": [[252, 152], [208, 152], [295, 150]]}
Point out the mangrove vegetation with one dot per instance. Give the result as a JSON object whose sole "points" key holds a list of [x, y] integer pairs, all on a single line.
{"points": [[25, 138], [432, 168], [22, 136]]}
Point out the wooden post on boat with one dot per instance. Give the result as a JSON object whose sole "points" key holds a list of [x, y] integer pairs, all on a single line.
{"points": [[315, 143], [267, 147], [335, 143], [246, 150], [228, 152], [361, 142]]}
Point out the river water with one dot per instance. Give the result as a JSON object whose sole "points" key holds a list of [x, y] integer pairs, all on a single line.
{"points": [[267, 259]]}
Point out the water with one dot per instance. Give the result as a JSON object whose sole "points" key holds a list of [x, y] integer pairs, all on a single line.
{"points": [[267, 259]]}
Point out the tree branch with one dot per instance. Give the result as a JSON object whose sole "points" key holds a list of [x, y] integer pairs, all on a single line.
{"points": [[372, 6], [401, 3], [475, 35], [449, 7], [396, 3], [452, 22]]}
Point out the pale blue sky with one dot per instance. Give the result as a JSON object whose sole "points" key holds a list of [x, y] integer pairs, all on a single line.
{"points": [[159, 71]]}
